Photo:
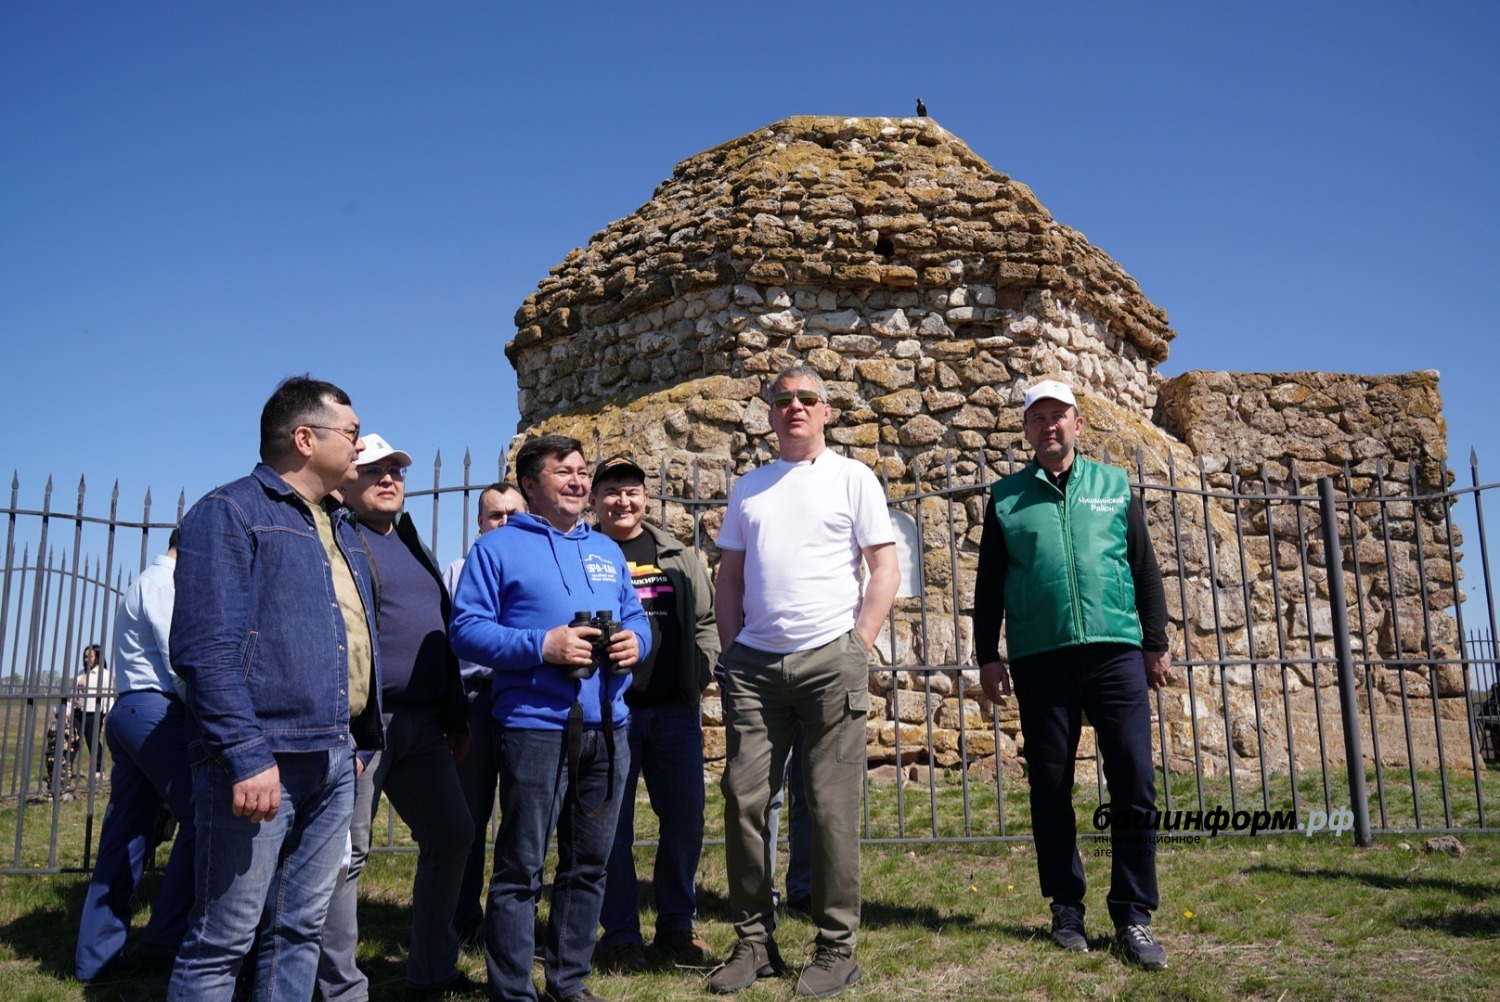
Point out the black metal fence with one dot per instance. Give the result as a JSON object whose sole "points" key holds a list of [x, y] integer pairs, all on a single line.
{"points": [[1289, 664]]}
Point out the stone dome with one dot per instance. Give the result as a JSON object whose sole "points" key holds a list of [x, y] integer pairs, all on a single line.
{"points": [[868, 239]]}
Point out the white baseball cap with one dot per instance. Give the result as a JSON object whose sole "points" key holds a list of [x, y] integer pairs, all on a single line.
{"points": [[1047, 389], [377, 448]]}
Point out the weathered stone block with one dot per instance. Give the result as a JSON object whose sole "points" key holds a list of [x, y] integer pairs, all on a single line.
{"points": [[903, 403], [887, 373], [843, 321], [921, 430]]}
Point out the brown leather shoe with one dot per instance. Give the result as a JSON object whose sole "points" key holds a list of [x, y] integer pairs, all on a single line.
{"points": [[627, 958]]}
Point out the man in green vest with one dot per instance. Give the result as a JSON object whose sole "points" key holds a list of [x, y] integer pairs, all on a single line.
{"points": [[1066, 554]]}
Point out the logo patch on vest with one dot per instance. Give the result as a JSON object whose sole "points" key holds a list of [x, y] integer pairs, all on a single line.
{"points": [[1104, 504]]}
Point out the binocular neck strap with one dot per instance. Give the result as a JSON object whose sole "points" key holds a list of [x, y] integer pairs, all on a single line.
{"points": [[575, 747]]}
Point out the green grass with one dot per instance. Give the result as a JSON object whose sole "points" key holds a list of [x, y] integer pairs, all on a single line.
{"points": [[1270, 917]]}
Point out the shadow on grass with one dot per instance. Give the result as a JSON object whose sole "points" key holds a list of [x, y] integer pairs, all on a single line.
{"points": [[877, 913], [1474, 892], [384, 936], [47, 936], [1463, 925]]}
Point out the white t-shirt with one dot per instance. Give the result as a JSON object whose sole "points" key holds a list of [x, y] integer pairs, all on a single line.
{"points": [[801, 527]]}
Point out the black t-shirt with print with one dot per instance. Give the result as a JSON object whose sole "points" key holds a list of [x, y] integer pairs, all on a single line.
{"points": [[658, 679]]}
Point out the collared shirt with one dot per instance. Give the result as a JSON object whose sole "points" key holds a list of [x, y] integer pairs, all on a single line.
{"points": [[474, 675], [143, 624], [360, 648]]}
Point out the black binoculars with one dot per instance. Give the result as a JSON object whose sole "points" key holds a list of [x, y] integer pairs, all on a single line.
{"points": [[604, 622]]}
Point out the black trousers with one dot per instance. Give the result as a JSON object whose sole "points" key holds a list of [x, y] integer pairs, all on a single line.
{"points": [[1054, 689]]}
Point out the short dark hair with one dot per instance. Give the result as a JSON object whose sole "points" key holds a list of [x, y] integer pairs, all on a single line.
{"points": [[173, 538], [530, 456], [297, 400], [502, 487]]}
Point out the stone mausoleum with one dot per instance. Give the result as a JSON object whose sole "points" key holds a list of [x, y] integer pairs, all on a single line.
{"points": [[928, 289]]}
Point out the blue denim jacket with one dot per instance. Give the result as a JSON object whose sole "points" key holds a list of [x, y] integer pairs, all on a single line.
{"points": [[257, 633]]}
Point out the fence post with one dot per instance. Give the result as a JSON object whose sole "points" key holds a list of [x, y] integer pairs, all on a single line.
{"points": [[1333, 559]]}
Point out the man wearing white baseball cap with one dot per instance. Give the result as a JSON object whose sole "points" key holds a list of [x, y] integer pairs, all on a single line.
{"points": [[1066, 553], [426, 727]]}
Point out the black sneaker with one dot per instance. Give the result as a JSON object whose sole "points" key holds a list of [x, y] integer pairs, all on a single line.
{"points": [[831, 971], [1136, 945], [749, 961], [1067, 928]]}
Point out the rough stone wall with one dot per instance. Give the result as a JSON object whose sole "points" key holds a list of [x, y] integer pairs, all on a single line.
{"points": [[1274, 434], [928, 289]]}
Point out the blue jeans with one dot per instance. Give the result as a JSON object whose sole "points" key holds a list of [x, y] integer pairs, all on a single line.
{"points": [[535, 798], [1108, 681], [147, 738], [415, 770], [477, 777], [666, 746], [798, 832], [275, 877]]}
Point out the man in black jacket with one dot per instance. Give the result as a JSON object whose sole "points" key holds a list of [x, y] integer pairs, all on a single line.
{"points": [[426, 732]]}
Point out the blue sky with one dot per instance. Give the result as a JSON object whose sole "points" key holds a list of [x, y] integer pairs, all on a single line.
{"points": [[199, 199]]}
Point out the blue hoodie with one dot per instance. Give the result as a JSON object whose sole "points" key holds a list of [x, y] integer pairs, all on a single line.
{"points": [[518, 583]]}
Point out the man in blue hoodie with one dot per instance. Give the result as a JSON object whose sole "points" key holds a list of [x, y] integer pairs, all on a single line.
{"points": [[561, 751]]}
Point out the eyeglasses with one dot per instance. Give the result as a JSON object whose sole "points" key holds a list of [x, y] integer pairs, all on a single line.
{"points": [[352, 434], [807, 398], [377, 471]]}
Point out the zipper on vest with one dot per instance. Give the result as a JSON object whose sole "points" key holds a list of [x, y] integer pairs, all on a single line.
{"points": [[1067, 527]]}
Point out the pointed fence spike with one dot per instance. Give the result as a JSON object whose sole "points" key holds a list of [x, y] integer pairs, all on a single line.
{"points": [[1473, 457], [437, 462], [466, 457], [114, 492], [148, 496], [15, 480]]}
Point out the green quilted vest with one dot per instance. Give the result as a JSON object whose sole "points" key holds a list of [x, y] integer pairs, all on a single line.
{"points": [[1068, 581]]}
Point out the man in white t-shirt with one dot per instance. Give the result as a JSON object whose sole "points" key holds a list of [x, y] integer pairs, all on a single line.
{"points": [[794, 536]]}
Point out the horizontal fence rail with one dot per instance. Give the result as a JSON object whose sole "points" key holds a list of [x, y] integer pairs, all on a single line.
{"points": [[1314, 623]]}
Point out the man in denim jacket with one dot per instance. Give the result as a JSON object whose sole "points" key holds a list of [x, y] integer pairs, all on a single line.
{"points": [[273, 633]]}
